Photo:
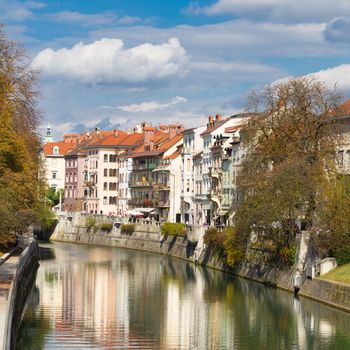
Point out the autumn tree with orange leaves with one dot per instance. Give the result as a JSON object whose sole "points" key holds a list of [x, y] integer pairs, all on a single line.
{"points": [[20, 188]]}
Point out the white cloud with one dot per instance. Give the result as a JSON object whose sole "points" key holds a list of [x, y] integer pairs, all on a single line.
{"points": [[281, 10], [234, 71], [108, 61], [151, 105], [104, 18], [14, 10], [235, 38], [335, 75], [338, 75]]}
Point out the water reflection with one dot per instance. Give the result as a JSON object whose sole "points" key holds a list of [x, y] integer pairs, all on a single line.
{"points": [[90, 297]]}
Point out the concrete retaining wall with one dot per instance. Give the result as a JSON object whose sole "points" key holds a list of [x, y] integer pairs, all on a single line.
{"points": [[330, 293], [21, 286]]}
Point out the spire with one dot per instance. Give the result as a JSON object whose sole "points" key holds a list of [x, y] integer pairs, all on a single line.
{"points": [[48, 136]]}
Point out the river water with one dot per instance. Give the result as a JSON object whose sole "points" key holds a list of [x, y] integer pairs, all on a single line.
{"points": [[109, 298]]}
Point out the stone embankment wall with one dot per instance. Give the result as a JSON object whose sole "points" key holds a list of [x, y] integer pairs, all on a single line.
{"points": [[21, 286], [330, 293], [147, 237]]}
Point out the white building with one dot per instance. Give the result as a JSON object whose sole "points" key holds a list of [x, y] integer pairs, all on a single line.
{"points": [[192, 145], [215, 128], [54, 163]]}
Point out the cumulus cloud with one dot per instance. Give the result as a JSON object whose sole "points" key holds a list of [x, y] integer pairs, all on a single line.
{"points": [[104, 18], [338, 30], [108, 61], [151, 106], [281, 10], [335, 75], [338, 75]]}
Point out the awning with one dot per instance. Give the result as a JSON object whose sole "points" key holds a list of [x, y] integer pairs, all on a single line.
{"points": [[145, 210]]}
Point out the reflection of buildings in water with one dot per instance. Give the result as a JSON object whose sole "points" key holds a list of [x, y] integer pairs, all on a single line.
{"points": [[86, 298], [127, 298]]}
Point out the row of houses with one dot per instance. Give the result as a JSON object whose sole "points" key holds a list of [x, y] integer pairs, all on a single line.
{"points": [[167, 172], [170, 173]]}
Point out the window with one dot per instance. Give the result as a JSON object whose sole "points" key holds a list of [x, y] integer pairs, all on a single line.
{"points": [[112, 186], [112, 158], [105, 200], [112, 200], [54, 174], [105, 186], [112, 172], [105, 158], [105, 172], [56, 150]]}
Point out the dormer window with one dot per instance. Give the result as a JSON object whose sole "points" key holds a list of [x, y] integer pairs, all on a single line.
{"points": [[56, 150]]}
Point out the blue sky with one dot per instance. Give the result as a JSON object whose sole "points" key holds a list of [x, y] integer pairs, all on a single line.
{"points": [[114, 63]]}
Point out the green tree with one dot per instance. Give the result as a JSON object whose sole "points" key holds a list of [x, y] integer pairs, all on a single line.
{"points": [[53, 196], [290, 140]]}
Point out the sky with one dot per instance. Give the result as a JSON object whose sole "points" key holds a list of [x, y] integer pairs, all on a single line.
{"points": [[115, 63]]}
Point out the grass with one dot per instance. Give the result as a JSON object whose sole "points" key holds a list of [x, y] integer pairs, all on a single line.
{"points": [[339, 274]]}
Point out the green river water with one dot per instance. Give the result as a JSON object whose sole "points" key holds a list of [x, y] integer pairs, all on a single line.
{"points": [[108, 298]]}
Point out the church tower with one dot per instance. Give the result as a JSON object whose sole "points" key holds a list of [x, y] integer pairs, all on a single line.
{"points": [[48, 136]]}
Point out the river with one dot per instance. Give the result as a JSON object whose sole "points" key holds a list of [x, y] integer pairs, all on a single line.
{"points": [[89, 297]]}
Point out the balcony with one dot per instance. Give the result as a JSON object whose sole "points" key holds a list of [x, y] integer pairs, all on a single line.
{"points": [[89, 184], [139, 167], [142, 202], [215, 196], [163, 204], [161, 187], [215, 172], [135, 184]]}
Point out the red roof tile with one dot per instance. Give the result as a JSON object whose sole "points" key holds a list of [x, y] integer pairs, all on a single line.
{"points": [[63, 147]]}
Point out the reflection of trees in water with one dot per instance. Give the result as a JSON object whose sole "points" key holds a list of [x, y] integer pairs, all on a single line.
{"points": [[34, 330]]}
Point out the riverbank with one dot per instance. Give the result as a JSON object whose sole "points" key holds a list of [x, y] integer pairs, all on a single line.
{"points": [[17, 276], [147, 237]]}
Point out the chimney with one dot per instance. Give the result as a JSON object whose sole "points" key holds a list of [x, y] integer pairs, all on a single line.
{"points": [[148, 133], [179, 129], [116, 132], [172, 131], [218, 117]]}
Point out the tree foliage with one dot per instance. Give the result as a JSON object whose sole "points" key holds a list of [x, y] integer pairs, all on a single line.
{"points": [[290, 140], [20, 188]]}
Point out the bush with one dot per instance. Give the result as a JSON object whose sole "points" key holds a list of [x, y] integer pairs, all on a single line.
{"points": [[342, 255], [174, 229], [106, 226], [90, 222], [288, 255], [213, 239], [234, 248], [127, 228]]}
